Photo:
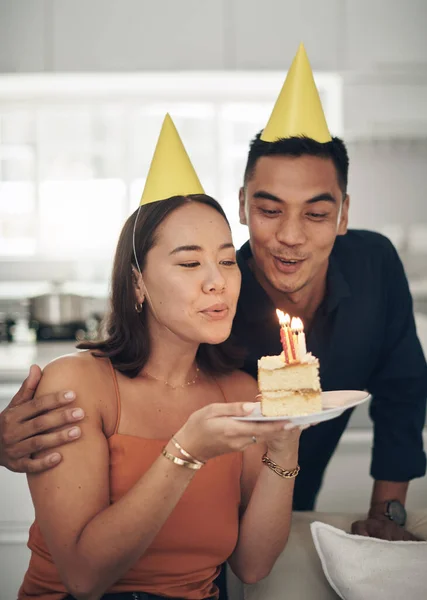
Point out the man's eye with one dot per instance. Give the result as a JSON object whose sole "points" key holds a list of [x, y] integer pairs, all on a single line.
{"points": [[317, 215], [189, 265], [269, 213]]}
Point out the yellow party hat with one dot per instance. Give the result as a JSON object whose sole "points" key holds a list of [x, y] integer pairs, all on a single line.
{"points": [[171, 172], [298, 110]]}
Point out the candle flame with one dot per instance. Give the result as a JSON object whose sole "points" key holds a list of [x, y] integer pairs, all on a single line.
{"points": [[297, 324], [283, 319]]}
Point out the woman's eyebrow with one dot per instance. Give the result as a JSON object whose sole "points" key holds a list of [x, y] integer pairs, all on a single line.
{"points": [[194, 248], [186, 249]]}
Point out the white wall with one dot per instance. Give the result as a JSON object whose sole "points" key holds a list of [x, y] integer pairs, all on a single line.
{"points": [[379, 46], [387, 178], [105, 35]]}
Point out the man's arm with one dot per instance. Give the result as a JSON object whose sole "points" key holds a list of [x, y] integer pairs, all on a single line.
{"points": [[388, 490], [399, 389], [377, 523], [28, 426], [383, 491]]}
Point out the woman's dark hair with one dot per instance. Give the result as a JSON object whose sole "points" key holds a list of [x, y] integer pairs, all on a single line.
{"points": [[126, 342], [334, 150]]}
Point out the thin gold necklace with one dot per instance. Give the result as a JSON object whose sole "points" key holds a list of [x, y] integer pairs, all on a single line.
{"points": [[174, 387]]}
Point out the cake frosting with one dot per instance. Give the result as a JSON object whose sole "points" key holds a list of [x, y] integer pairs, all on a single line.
{"points": [[270, 363]]}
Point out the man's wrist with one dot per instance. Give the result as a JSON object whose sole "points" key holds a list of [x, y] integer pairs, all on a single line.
{"points": [[389, 510], [378, 512], [378, 508]]}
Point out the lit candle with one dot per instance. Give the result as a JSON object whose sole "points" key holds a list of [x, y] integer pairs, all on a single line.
{"points": [[287, 338], [298, 327], [284, 340], [292, 344]]}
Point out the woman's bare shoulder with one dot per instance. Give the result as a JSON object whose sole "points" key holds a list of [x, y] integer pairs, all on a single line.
{"points": [[239, 387], [80, 372], [71, 366]]}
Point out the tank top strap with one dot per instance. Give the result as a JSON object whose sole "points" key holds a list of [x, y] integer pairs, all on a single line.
{"points": [[118, 401]]}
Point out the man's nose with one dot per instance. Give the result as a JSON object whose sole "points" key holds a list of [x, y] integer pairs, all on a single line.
{"points": [[291, 232]]}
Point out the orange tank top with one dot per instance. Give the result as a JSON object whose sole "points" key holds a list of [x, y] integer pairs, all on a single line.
{"points": [[199, 535]]}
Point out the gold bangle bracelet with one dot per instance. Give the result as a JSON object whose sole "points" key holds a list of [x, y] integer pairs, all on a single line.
{"points": [[186, 454], [285, 473], [180, 461]]}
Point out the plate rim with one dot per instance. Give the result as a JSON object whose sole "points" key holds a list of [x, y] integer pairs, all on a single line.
{"points": [[326, 411]]}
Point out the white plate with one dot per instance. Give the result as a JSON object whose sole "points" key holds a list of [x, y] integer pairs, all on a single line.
{"points": [[333, 405]]}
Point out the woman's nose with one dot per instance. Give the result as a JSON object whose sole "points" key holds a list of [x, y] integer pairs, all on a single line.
{"points": [[214, 282]]}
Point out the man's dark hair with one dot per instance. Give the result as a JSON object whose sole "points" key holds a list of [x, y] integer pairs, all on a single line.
{"points": [[126, 341], [300, 146]]}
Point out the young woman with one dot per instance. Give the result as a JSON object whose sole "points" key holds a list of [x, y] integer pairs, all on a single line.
{"points": [[164, 485]]}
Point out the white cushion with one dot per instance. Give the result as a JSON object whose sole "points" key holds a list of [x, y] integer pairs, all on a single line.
{"points": [[360, 568], [298, 573]]}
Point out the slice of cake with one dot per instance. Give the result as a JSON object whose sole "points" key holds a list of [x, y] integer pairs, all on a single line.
{"points": [[289, 383]]}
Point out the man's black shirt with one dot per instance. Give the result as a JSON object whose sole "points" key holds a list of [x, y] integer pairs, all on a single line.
{"points": [[364, 336]]}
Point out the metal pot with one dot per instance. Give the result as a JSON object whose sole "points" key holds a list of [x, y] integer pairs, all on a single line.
{"points": [[59, 309]]}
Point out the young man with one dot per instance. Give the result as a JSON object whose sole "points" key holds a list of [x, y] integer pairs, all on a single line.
{"points": [[349, 288]]}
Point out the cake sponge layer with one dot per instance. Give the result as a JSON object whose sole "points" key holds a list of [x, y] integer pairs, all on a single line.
{"points": [[284, 403], [301, 376]]}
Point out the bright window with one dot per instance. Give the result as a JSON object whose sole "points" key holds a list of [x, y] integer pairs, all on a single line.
{"points": [[75, 150]]}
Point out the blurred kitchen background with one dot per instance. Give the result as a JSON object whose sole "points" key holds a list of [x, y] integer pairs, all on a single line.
{"points": [[84, 86]]}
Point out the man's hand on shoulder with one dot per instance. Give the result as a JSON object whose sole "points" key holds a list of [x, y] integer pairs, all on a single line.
{"points": [[28, 426]]}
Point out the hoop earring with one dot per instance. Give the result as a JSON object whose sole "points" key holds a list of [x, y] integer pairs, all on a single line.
{"points": [[138, 307]]}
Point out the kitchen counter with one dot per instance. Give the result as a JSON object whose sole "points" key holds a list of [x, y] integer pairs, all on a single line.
{"points": [[15, 358]]}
